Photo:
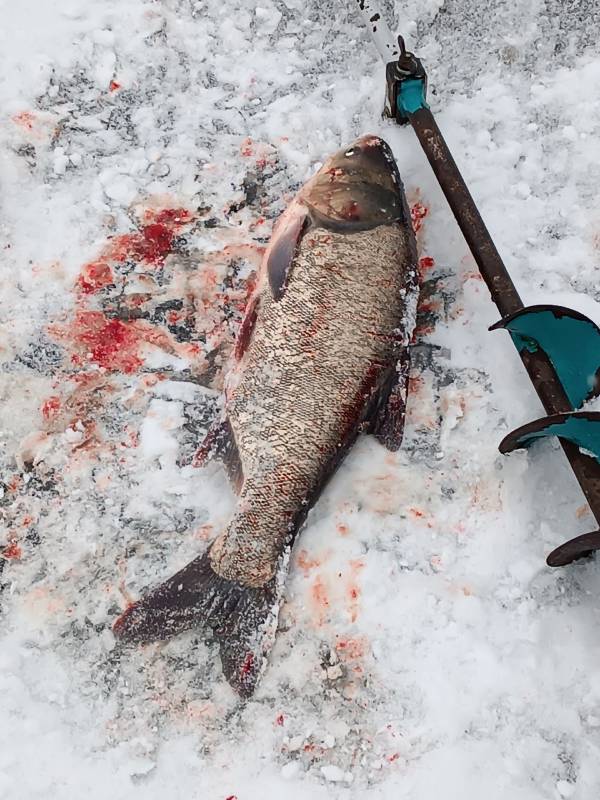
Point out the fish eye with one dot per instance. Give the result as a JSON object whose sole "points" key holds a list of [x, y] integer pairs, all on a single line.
{"points": [[352, 151]]}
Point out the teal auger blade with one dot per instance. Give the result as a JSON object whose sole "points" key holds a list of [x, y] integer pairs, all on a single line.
{"points": [[582, 428], [569, 339]]}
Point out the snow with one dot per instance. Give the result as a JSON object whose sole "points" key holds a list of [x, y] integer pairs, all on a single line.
{"points": [[424, 647]]}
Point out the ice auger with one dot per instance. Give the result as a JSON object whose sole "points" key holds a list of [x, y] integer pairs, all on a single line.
{"points": [[559, 348]]}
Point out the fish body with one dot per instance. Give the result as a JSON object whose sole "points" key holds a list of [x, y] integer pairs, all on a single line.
{"points": [[320, 358]]}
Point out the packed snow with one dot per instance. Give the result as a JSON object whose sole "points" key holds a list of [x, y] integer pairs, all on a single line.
{"points": [[425, 650]]}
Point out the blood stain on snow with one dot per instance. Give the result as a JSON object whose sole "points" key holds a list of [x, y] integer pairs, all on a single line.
{"points": [[12, 552], [415, 384], [247, 665], [342, 529], [51, 408], [150, 246], [14, 483], [109, 343], [352, 589], [320, 600], [25, 119], [204, 533], [350, 649], [246, 148], [306, 562], [280, 719], [95, 276], [113, 86], [418, 212], [426, 264], [173, 217], [260, 151]]}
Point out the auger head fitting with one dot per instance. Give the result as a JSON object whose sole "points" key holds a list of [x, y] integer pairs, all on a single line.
{"points": [[406, 81]]}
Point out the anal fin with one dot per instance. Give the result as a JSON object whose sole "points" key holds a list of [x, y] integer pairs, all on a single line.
{"points": [[387, 419]]}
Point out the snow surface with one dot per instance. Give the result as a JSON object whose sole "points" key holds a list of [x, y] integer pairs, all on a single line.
{"points": [[425, 650]]}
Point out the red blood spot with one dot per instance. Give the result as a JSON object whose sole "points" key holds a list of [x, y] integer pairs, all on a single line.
{"points": [[231, 797], [306, 563], [13, 551], [320, 599], [151, 246], [351, 648], [351, 211], [280, 719], [247, 665], [246, 148], [25, 120], [14, 483], [174, 217], [425, 265], [342, 529], [418, 212], [431, 306], [113, 86], [393, 757], [111, 343], [94, 276], [415, 512], [51, 407], [157, 241]]}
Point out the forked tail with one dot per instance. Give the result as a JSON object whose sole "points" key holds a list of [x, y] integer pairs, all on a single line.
{"points": [[244, 619]]}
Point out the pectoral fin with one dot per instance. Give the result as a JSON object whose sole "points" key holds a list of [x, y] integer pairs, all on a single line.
{"points": [[283, 247]]}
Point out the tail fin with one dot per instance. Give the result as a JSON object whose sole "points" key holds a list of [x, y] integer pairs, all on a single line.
{"points": [[244, 619]]}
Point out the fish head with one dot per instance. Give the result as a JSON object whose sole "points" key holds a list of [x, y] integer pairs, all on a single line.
{"points": [[358, 188]]}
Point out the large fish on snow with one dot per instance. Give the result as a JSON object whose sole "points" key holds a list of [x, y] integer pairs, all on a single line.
{"points": [[320, 357]]}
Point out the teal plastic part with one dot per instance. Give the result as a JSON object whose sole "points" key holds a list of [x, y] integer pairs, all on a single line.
{"points": [[570, 340], [580, 427], [411, 95]]}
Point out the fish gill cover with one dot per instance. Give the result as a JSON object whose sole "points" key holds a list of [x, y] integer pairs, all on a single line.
{"points": [[147, 149]]}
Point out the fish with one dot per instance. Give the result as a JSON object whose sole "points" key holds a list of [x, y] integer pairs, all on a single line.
{"points": [[321, 356]]}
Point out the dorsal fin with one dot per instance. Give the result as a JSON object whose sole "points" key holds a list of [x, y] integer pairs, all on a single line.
{"points": [[283, 247]]}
